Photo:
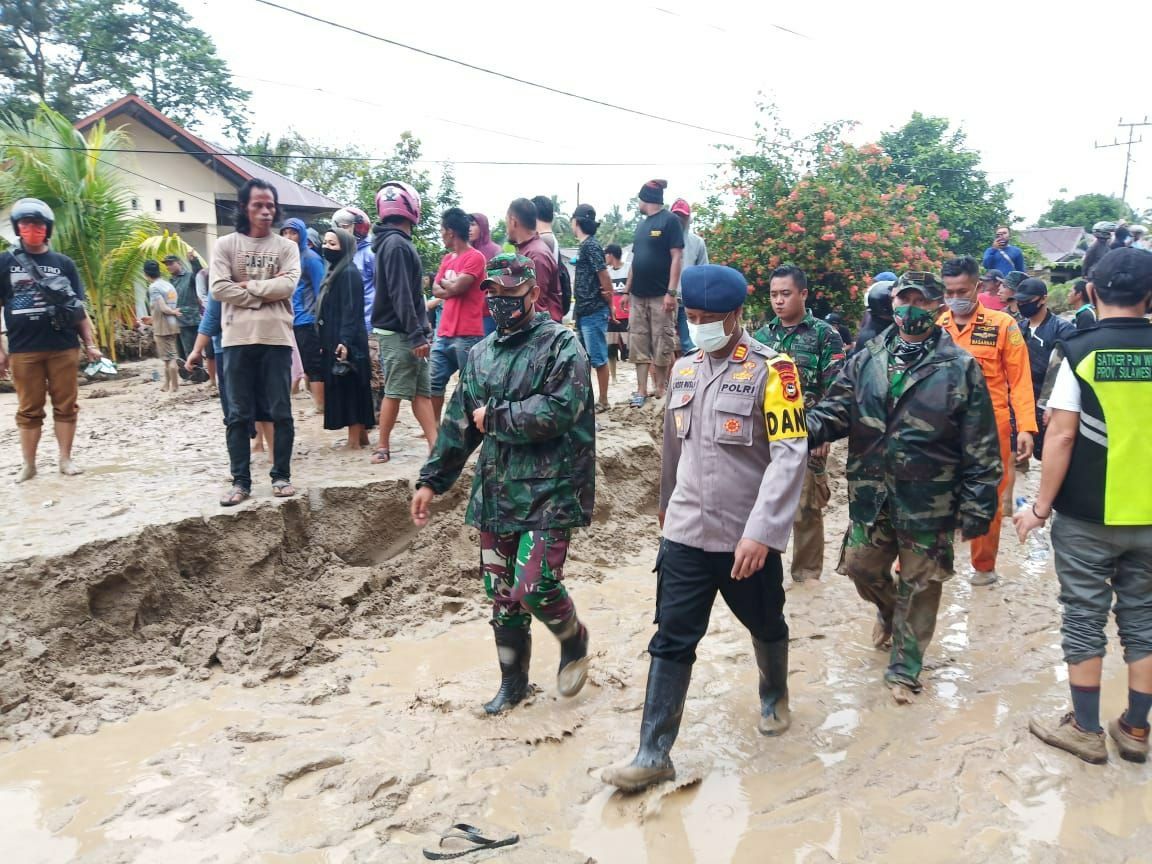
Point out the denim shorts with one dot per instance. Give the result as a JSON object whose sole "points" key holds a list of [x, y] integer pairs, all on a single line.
{"points": [[594, 329], [449, 354]]}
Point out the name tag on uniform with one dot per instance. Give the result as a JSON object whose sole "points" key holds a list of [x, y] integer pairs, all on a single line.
{"points": [[1124, 365], [681, 384], [737, 387], [655, 233], [985, 335]]}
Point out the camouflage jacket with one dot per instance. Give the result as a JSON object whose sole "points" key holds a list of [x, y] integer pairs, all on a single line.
{"points": [[924, 443], [816, 348], [537, 463]]}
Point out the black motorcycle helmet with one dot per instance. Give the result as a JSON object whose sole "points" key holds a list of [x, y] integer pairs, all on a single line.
{"points": [[880, 300], [33, 208]]}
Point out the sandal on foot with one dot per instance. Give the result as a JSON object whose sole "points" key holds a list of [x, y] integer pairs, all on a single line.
{"points": [[381, 455], [601, 407], [283, 489], [237, 495], [638, 400], [470, 834]]}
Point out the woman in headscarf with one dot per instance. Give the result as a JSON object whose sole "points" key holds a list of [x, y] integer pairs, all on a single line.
{"points": [[480, 238], [344, 341]]}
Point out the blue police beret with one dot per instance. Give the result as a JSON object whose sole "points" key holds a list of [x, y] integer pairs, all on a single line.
{"points": [[712, 288]]}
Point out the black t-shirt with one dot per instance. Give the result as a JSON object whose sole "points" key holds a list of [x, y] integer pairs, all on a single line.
{"points": [[652, 247], [589, 264], [25, 309]]}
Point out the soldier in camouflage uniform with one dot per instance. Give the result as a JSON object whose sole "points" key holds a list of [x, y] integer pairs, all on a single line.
{"points": [[923, 458], [525, 399], [818, 351]]}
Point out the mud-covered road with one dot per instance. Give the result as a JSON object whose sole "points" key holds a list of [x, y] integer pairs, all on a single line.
{"points": [[300, 682]]}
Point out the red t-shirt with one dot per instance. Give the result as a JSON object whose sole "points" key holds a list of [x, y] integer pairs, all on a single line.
{"points": [[463, 315]]}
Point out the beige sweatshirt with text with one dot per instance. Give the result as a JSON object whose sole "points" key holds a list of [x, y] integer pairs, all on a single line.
{"points": [[260, 311]]}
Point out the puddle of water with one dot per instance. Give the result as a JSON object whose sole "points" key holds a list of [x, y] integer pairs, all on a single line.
{"points": [[843, 722], [840, 785], [90, 774], [830, 759], [1041, 817], [26, 835]]}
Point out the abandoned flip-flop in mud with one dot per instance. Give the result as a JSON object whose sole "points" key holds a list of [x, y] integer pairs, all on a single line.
{"points": [[471, 835]]}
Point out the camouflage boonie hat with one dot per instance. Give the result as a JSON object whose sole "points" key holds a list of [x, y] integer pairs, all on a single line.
{"points": [[510, 270], [1014, 278], [926, 283]]}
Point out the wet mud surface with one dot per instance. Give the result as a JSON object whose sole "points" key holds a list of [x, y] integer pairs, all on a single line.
{"points": [[300, 682]]}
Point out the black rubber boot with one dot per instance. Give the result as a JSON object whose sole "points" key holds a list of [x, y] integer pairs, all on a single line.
{"points": [[573, 670], [663, 710], [772, 658], [514, 650]]}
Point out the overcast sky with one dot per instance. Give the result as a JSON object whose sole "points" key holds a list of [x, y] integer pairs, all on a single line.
{"points": [[1015, 75]]}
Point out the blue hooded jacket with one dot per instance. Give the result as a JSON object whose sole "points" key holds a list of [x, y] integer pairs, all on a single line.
{"points": [[311, 275]]}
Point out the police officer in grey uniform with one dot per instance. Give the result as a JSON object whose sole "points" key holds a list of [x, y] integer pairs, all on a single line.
{"points": [[735, 451]]}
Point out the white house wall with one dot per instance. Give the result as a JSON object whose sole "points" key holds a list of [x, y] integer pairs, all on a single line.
{"points": [[174, 181]]}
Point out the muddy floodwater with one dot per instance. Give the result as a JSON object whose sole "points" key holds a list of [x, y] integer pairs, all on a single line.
{"points": [[300, 682]]}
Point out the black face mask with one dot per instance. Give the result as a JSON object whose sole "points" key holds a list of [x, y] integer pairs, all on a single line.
{"points": [[507, 312], [1028, 308], [333, 256]]}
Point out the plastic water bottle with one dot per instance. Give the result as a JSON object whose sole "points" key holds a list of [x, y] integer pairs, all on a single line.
{"points": [[1037, 542]]}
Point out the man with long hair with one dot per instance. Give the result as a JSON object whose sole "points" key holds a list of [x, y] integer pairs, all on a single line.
{"points": [[254, 272]]}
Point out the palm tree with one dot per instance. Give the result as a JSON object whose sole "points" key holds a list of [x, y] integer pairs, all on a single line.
{"points": [[46, 158]]}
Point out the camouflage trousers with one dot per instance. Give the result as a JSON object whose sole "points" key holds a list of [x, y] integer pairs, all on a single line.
{"points": [[907, 602], [808, 529], [522, 578]]}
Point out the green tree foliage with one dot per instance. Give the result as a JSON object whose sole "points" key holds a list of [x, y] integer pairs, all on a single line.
{"points": [[619, 226], [76, 55], [926, 153], [350, 175], [404, 165], [824, 205], [95, 225], [335, 171], [500, 232], [1084, 211]]}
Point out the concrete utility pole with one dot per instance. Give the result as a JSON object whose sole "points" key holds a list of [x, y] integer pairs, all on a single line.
{"points": [[1131, 127]]}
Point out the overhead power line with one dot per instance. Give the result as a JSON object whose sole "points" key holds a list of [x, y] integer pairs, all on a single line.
{"points": [[309, 157], [592, 101]]}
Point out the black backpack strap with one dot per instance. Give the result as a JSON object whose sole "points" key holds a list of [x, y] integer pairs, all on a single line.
{"points": [[27, 263]]}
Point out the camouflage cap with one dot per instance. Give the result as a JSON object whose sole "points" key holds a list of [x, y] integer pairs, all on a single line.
{"points": [[924, 282], [1014, 278], [510, 270]]}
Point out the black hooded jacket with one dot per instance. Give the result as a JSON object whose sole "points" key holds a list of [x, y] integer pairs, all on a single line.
{"points": [[399, 304]]}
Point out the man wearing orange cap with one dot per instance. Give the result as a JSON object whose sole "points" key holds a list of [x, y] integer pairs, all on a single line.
{"points": [[998, 346]]}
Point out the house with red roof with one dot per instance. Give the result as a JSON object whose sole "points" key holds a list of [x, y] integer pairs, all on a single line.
{"points": [[188, 185]]}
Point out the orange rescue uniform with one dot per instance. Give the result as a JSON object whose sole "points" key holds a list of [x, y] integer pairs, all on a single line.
{"points": [[994, 339]]}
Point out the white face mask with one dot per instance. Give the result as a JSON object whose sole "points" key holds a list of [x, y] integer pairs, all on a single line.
{"points": [[710, 337]]}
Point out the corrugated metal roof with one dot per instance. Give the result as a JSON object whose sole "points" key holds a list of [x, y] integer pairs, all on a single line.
{"points": [[237, 169], [1055, 244]]}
